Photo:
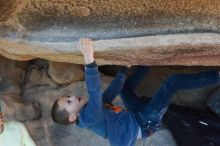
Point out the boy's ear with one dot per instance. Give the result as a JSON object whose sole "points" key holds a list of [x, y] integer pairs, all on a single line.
{"points": [[72, 117]]}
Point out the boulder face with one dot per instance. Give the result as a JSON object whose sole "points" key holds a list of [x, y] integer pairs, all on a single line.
{"points": [[163, 32], [65, 73]]}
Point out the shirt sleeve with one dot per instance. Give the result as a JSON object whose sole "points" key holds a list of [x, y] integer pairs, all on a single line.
{"points": [[91, 65], [93, 83], [26, 137]]}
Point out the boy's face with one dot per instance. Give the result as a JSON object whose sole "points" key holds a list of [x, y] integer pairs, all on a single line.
{"points": [[71, 104]]}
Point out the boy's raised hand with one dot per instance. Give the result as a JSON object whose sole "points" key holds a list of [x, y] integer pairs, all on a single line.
{"points": [[86, 47]]}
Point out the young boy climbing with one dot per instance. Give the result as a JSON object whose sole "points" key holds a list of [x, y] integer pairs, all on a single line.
{"points": [[140, 120]]}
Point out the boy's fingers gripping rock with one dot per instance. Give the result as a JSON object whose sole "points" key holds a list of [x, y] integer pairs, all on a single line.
{"points": [[85, 44]]}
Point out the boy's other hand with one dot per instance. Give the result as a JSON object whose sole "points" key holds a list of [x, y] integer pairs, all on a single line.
{"points": [[86, 47]]}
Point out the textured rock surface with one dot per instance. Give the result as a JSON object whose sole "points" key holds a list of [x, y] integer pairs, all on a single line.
{"points": [[7, 85], [16, 108], [38, 77], [163, 32], [65, 73], [8, 67], [153, 16], [214, 102]]}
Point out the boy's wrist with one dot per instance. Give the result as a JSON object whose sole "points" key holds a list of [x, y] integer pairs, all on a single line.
{"points": [[89, 60], [91, 65]]}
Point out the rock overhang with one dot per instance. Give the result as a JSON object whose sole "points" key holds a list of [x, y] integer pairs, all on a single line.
{"points": [[125, 32]]}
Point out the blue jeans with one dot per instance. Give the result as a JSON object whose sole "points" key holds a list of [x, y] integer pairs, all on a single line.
{"points": [[149, 115]]}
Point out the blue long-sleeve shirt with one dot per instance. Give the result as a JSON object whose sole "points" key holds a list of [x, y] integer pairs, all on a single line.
{"points": [[120, 128]]}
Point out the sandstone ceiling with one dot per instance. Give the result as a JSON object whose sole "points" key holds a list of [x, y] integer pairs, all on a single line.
{"points": [[158, 32]]}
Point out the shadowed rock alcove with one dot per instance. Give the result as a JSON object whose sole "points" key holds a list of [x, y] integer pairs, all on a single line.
{"points": [[41, 35]]}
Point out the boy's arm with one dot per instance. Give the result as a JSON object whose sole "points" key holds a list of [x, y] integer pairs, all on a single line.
{"points": [[115, 86], [92, 76], [86, 47]]}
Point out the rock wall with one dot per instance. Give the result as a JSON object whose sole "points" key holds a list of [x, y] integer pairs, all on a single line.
{"points": [[28, 91]]}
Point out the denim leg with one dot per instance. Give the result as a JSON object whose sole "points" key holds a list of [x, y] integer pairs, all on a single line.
{"points": [[136, 77], [130, 99], [115, 86], [152, 114]]}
